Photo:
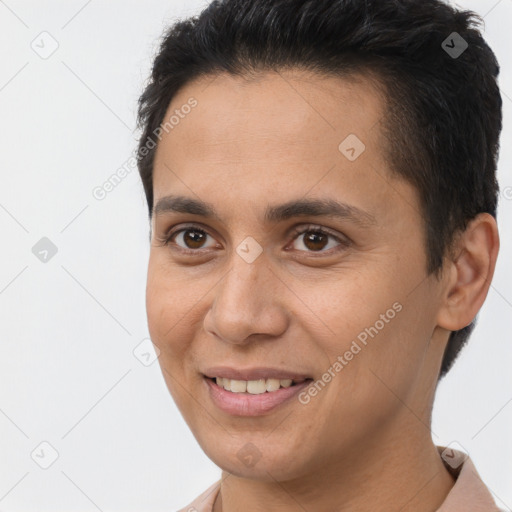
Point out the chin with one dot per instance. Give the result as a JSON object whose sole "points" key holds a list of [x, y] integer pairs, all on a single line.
{"points": [[255, 459]]}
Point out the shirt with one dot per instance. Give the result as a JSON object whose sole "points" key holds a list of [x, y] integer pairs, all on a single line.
{"points": [[469, 493]]}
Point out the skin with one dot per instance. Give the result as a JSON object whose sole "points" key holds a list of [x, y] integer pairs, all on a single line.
{"points": [[364, 442]]}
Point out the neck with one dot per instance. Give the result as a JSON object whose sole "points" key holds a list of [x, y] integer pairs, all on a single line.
{"points": [[405, 475]]}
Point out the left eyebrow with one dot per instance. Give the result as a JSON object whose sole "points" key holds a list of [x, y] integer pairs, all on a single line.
{"points": [[273, 213], [318, 208]]}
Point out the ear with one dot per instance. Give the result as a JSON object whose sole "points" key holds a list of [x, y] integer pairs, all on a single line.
{"points": [[469, 273]]}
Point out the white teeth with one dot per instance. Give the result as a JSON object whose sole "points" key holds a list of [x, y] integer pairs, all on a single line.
{"points": [[239, 386], [273, 384], [254, 387]]}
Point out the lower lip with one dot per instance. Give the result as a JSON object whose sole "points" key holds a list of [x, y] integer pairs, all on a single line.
{"points": [[245, 404]]}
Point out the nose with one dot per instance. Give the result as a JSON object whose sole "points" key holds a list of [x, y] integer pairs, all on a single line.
{"points": [[248, 301]]}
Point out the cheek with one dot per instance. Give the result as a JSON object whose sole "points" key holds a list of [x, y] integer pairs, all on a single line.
{"points": [[170, 330], [394, 342], [175, 308], [164, 307], [347, 306], [158, 307], [374, 323]]}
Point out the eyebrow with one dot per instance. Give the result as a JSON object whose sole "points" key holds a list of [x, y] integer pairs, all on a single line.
{"points": [[274, 213]]}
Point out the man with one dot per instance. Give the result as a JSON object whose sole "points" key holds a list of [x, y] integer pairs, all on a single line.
{"points": [[320, 179]]}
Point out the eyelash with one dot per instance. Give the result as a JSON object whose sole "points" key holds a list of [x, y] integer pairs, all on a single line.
{"points": [[344, 243]]}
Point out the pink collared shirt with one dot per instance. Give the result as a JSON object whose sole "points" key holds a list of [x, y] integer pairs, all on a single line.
{"points": [[469, 493]]}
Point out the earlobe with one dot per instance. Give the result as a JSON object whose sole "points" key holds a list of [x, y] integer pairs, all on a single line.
{"points": [[470, 273]]}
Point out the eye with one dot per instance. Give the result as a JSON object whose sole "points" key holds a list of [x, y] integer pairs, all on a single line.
{"points": [[189, 239], [316, 239]]}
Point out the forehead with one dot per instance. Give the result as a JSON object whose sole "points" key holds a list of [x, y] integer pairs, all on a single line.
{"points": [[277, 134], [290, 111]]}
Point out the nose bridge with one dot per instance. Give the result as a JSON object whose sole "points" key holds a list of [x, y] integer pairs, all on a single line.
{"points": [[244, 279], [245, 289], [244, 302], [248, 270]]}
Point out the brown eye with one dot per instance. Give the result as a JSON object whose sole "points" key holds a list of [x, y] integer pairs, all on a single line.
{"points": [[315, 239], [193, 238], [189, 239]]}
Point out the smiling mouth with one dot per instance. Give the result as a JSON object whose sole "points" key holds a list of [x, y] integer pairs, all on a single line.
{"points": [[255, 387]]}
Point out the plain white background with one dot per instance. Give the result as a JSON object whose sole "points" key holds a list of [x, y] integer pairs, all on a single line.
{"points": [[69, 326]]}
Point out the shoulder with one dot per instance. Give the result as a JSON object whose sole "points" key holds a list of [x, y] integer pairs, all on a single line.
{"points": [[204, 502]]}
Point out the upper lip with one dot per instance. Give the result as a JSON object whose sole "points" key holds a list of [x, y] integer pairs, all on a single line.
{"points": [[254, 373]]}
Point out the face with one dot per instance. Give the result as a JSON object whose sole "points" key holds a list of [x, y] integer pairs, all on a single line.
{"points": [[339, 297]]}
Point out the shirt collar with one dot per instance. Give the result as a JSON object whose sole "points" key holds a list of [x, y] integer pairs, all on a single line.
{"points": [[469, 493]]}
